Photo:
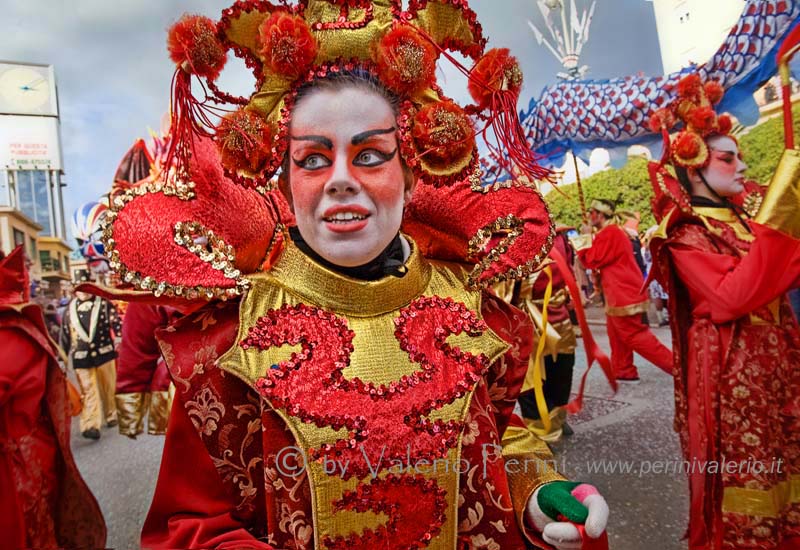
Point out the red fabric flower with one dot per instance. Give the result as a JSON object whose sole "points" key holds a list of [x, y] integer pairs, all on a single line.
{"points": [[689, 86], [287, 45], [193, 45], [406, 62], [702, 119], [443, 134], [496, 71], [689, 150], [244, 139], [714, 91], [662, 119], [724, 124]]}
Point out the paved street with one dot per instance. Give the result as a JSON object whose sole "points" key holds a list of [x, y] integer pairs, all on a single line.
{"points": [[627, 430]]}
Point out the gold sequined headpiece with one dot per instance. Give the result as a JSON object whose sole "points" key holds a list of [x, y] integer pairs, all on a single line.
{"points": [[289, 45]]}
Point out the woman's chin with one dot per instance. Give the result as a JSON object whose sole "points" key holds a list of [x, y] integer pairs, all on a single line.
{"points": [[350, 253]]}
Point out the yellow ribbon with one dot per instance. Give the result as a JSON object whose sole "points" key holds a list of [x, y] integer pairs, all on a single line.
{"points": [[538, 370]]}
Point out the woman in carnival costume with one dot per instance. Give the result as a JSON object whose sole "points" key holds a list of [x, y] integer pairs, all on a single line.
{"points": [[736, 341], [346, 388]]}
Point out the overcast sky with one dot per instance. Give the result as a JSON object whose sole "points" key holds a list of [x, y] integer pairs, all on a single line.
{"points": [[113, 72]]}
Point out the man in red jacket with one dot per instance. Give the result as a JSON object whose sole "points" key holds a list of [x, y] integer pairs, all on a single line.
{"points": [[609, 251]]}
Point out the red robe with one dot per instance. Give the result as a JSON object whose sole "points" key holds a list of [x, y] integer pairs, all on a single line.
{"points": [[44, 502], [219, 486], [611, 253], [626, 300], [737, 383]]}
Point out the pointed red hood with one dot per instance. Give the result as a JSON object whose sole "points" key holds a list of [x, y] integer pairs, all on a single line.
{"points": [[14, 288]]}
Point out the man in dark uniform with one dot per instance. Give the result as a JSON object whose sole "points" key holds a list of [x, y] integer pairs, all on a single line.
{"points": [[90, 326]]}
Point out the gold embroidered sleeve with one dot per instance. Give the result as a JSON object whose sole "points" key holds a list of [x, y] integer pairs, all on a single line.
{"points": [[779, 208], [131, 409], [529, 465]]}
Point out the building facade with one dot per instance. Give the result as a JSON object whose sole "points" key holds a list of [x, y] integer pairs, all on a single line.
{"points": [[691, 31], [31, 170]]}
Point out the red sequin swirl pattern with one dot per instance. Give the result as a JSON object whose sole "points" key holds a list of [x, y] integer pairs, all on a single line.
{"points": [[384, 422]]}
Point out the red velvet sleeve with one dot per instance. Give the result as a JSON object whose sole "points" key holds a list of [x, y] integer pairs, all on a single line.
{"points": [[138, 354], [191, 508], [726, 287]]}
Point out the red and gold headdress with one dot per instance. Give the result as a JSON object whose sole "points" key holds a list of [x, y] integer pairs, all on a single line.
{"points": [[694, 107], [287, 46], [195, 228]]}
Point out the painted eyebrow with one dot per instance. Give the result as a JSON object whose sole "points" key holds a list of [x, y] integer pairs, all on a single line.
{"points": [[364, 136], [325, 142]]}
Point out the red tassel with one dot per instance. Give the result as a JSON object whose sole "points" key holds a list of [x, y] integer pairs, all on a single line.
{"points": [[510, 134], [189, 117], [515, 155]]}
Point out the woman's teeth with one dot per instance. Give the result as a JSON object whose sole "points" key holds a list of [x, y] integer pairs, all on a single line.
{"points": [[345, 217]]}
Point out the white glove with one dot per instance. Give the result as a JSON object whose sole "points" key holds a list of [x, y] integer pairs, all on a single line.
{"points": [[579, 502]]}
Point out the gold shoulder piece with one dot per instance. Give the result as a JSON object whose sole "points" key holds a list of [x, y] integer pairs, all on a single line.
{"points": [[782, 201]]}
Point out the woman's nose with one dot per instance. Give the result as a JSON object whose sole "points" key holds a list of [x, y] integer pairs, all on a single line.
{"points": [[342, 180]]}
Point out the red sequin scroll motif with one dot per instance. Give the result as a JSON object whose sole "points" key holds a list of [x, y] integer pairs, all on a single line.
{"points": [[385, 423]]}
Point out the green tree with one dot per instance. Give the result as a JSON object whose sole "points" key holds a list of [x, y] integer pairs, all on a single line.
{"points": [[763, 145], [629, 185]]}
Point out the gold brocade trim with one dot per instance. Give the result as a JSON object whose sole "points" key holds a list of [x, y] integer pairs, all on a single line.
{"points": [[569, 340], [557, 418], [769, 503], [558, 299], [158, 413], [774, 307], [780, 204], [131, 409], [504, 290], [581, 242], [529, 465], [632, 309], [369, 309], [317, 285], [724, 215]]}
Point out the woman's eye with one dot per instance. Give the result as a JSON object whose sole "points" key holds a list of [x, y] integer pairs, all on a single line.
{"points": [[371, 157], [313, 162]]}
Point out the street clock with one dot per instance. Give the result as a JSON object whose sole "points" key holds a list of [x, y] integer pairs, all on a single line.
{"points": [[27, 90]]}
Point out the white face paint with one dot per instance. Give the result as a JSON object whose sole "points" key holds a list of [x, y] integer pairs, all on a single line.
{"points": [[347, 184], [725, 170]]}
